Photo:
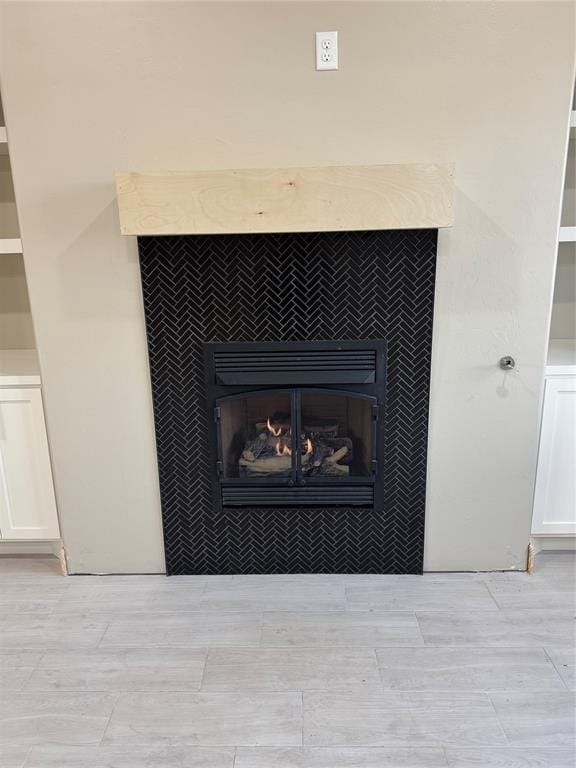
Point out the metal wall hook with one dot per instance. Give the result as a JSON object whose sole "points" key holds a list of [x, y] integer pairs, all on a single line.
{"points": [[507, 363]]}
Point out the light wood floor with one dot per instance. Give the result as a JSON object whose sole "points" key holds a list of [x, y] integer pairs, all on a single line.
{"points": [[454, 670]]}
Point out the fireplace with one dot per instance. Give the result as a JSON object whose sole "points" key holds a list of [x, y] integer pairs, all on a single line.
{"points": [[297, 424], [289, 322]]}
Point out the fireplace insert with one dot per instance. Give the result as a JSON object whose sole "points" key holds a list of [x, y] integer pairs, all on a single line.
{"points": [[297, 423]]}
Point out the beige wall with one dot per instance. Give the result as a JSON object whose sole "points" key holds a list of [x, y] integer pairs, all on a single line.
{"points": [[93, 88]]}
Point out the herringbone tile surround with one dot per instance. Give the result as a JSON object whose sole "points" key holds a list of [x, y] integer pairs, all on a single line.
{"points": [[286, 287]]}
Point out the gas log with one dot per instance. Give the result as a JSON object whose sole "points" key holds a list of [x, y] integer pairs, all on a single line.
{"points": [[270, 452], [269, 465]]}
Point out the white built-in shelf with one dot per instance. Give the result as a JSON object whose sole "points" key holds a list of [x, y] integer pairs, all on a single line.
{"points": [[561, 357], [3, 137], [19, 368], [567, 235], [10, 245]]}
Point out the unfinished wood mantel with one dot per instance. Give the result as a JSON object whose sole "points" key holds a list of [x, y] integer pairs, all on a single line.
{"points": [[322, 199]]}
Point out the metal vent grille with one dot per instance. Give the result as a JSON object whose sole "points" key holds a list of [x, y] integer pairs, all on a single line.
{"points": [[296, 367], [235, 496]]}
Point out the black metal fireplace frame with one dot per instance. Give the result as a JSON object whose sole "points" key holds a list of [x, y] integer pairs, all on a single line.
{"points": [[299, 367]]}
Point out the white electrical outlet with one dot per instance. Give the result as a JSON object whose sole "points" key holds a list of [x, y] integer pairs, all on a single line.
{"points": [[326, 50]]}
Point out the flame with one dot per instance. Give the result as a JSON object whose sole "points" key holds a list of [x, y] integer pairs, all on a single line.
{"points": [[308, 446], [275, 432], [284, 451]]}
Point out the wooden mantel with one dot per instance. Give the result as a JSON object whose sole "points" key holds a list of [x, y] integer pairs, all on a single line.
{"points": [[322, 199]]}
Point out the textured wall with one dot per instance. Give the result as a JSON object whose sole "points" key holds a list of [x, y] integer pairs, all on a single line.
{"points": [[93, 88]]}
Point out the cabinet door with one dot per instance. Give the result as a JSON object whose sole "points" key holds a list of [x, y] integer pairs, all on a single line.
{"points": [[27, 505], [555, 495]]}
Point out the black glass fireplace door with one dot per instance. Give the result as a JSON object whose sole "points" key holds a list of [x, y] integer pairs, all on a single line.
{"points": [[297, 446], [296, 435]]}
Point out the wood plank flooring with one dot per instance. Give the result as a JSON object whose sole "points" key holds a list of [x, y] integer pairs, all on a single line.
{"points": [[439, 671]]}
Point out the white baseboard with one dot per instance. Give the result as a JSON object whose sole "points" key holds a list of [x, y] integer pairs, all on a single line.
{"points": [[52, 547], [553, 543]]}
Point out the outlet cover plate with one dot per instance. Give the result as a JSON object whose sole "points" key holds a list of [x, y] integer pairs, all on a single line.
{"points": [[326, 50]]}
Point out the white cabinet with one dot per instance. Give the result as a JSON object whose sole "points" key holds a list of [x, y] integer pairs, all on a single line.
{"points": [[27, 504], [555, 494]]}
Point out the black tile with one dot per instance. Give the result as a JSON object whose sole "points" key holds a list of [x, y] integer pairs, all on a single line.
{"points": [[289, 287]]}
